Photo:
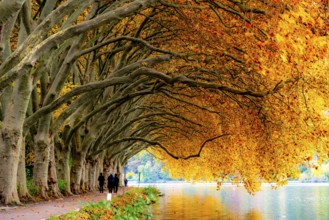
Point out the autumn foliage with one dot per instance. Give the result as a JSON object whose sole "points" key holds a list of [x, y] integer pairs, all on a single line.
{"points": [[218, 89], [285, 53], [131, 205]]}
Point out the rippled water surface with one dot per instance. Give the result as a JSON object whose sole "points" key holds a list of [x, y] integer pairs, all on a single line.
{"points": [[203, 201]]}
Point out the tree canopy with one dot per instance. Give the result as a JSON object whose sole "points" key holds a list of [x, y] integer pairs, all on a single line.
{"points": [[218, 89]]}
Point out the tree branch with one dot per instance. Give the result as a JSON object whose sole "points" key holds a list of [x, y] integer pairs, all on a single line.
{"points": [[156, 143], [31, 58], [8, 8]]}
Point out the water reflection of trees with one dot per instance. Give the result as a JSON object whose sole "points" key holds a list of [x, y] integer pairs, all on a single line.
{"points": [[191, 206], [253, 214], [202, 201]]}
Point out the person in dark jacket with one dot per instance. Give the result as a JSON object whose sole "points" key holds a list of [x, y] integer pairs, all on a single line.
{"points": [[116, 183], [101, 180], [110, 183]]}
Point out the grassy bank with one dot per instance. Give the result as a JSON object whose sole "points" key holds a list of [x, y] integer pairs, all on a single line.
{"points": [[134, 204]]}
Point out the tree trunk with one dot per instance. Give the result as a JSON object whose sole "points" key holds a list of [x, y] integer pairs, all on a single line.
{"points": [[23, 193], [40, 169], [9, 154], [85, 178], [97, 172], [52, 175], [100, 167], [63, 164], [92, 175], [121, 175], [108, 167], [11, 139], [78, 161], [42, 137]]}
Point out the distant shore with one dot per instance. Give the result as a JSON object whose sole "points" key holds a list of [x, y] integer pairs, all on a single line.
{"points": [[290, 183]]}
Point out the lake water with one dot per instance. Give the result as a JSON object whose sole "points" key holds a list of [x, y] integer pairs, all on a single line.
{"points": [[203, 201]]}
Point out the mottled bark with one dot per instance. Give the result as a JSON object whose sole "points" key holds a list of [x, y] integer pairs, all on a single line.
{"points": [[6, 31], [8, 8], [62, 153], [9, 157], [13, 71], [121, 174], [23, 193], [40, 169], [76, 173], [92, 175], [100, 167], [42, 138], [85, 180], [11, 139], [78, 161], [52, 174], [108, 167], [47, 9]]}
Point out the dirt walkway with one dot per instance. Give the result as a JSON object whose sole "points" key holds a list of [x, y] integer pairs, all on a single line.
{"points": [[43, 210]]}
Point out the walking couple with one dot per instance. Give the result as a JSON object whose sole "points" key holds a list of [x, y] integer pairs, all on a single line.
{"points": [[112, 183]]}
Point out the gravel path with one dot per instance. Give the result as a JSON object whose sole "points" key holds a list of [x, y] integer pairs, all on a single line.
{"points": [[45, 209]]}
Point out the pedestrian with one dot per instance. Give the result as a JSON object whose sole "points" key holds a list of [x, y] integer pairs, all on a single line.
{"points": [[116, 183], [110, 183], [126, 182], [101, 180]]}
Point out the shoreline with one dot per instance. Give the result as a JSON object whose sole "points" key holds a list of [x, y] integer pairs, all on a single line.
{"points": [[290, 183]]}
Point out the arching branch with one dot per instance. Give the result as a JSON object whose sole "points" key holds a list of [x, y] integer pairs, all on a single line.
{"points": [[31, 58], [156, 143]]}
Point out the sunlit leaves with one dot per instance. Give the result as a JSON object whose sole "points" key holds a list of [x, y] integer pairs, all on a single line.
{"points": [[268, 137]]}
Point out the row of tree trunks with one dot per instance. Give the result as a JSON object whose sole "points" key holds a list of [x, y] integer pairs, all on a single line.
{"points": [[45, 56], [85, 173], [44, 140]]}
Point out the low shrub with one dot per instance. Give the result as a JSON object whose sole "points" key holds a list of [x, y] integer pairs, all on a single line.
{"points": [[132, 205], [62, 185], [33, 189]]}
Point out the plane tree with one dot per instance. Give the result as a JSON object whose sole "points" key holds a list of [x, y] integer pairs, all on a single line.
{"points": [[97, 81], [54, 28]]}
